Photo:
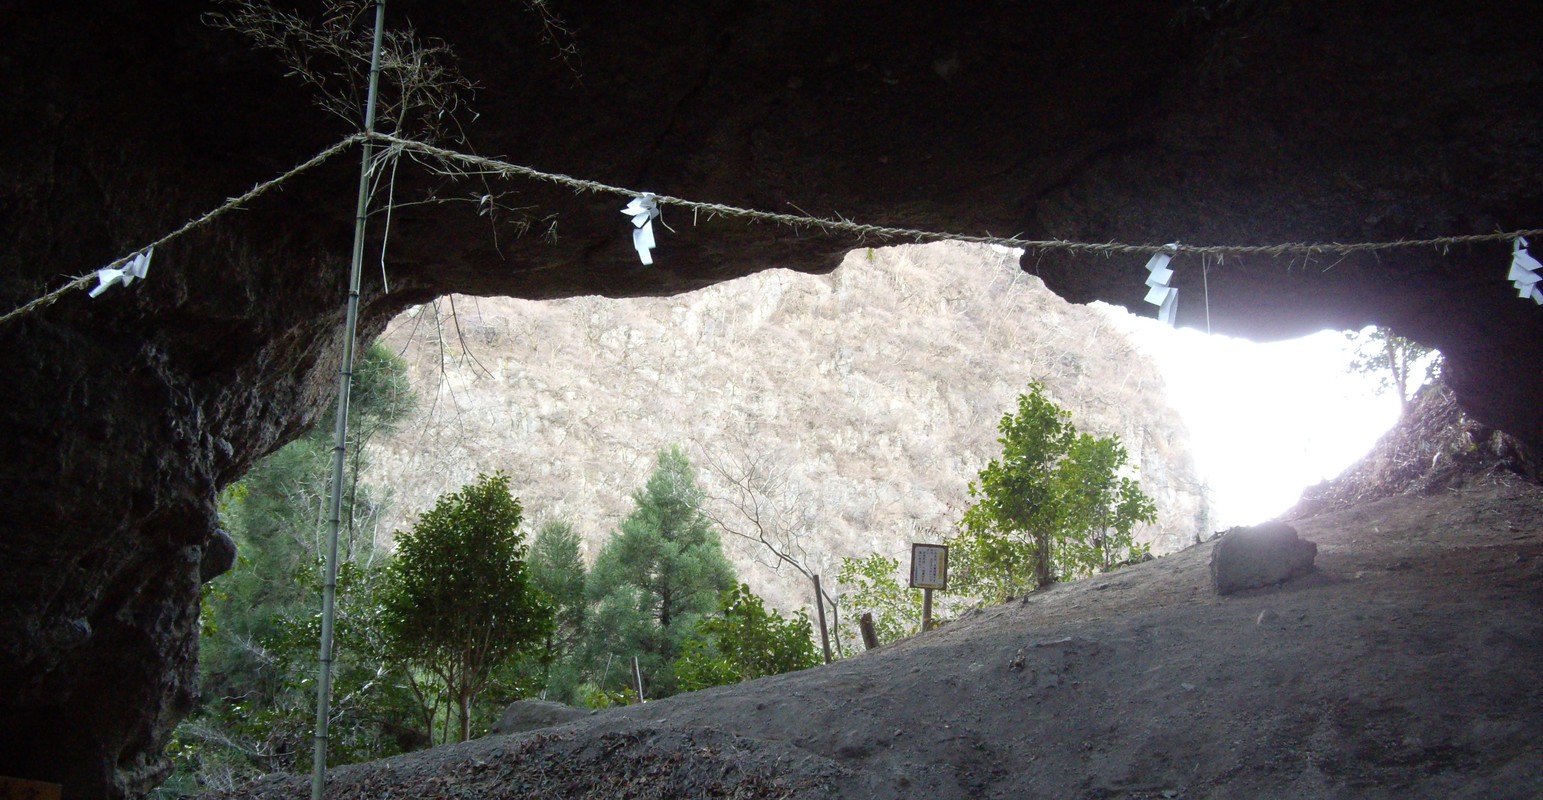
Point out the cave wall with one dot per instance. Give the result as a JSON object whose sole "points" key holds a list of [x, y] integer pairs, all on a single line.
{"points": [[1235, 122]]}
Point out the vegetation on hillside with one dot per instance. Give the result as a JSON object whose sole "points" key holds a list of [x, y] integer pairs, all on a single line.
{"points": [[1054, 506], [1402, 366], [431, 642], [828, 415]]}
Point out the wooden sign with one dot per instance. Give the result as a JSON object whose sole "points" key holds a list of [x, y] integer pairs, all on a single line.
{"points": [[18, 789], [929, 566]]}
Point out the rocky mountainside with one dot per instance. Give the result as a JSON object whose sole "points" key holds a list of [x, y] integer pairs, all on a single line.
{"points": [[851, 409], [1404, 666]]}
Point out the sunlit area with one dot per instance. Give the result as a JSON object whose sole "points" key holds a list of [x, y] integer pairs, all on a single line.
{"points": [[1266, 420]]}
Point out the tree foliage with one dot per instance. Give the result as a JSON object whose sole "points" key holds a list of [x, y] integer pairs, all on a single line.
{"points": [[872, 585], [1395, 361], [743, 641], [1053, 506], [656, 578], [557, 569], [458, 601], [257, 644]]}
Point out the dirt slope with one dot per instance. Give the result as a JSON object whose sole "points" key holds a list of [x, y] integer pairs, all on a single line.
{"points": [[1406, 666]]}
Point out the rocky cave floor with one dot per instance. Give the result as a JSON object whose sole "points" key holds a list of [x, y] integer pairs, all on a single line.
{"points": [[1404, 666]]}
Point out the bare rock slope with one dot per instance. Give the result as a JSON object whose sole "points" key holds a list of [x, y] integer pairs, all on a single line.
{"points": [[1404, 666]]}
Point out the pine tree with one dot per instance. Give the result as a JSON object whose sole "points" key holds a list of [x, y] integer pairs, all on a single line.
{"points": [[557, 569], [656, 579]]}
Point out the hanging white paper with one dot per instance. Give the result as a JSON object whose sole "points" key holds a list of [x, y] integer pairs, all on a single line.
{"points": [[1158, 266], [1167, 313], [1524, 269], [643, 209], [106, 279], [1165, 297], [136, 267], [1159, 294]]}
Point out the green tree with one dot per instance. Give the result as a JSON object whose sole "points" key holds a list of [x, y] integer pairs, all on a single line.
{"points": [[1394, 360], [256, 659], [557, 569], [1053, 506], [872, 585], [1101, 507], [656, 578], [743, 641], [458, 601]]}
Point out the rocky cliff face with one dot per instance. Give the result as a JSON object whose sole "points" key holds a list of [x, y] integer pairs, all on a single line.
{"points": [[858, 405], [1224, 121]]}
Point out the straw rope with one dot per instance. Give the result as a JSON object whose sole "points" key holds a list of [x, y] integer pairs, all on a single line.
{"points": [[193, 224], [398, 145], [887, 232]]}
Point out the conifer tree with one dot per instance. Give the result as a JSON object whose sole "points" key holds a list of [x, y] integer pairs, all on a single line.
{"points": [[557, 569], [656, 579]]}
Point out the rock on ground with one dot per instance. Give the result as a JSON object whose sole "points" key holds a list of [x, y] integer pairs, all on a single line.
{"points": [[1264, 555]]}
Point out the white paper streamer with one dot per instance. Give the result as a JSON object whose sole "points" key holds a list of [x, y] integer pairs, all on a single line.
{"points": [[643, 209], [1167, 313], [136, 267], [1165, 297], [1524, 273]]}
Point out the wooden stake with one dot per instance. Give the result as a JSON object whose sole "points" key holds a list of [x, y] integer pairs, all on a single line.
{"points": [[819, 602], [870, 636], [926, 610]]}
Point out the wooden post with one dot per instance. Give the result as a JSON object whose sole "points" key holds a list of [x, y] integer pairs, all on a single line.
{"points": [[870, 636], [637, 676], [819, 602], [926, 610]]}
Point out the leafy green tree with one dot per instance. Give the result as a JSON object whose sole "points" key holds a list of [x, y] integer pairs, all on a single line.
{"points": [[1053, 506], [872, 585], [557, 569], [655, 579], [1394, 360], [458, 601], [1101, 507], [256, 663], [743, 641]]}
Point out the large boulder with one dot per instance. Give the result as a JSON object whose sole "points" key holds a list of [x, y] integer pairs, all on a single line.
{"points": [[1264, 555], [529, 715]]}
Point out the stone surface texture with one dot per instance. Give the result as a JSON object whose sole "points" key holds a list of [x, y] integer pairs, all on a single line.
{"points": [[1260, 556]]}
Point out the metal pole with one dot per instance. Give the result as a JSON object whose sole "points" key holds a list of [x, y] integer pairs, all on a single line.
{"points": [[340, 433], [819, 602], [637, 676]]}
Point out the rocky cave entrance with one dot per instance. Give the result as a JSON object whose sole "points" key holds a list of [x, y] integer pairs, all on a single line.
{"points": [[128, 414]]}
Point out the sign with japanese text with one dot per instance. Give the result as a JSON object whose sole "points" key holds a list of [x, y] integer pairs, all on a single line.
{"points": [[929, 566]]}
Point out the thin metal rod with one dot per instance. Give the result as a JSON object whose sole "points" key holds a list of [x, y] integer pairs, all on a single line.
{"points": [[340, 432]]}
